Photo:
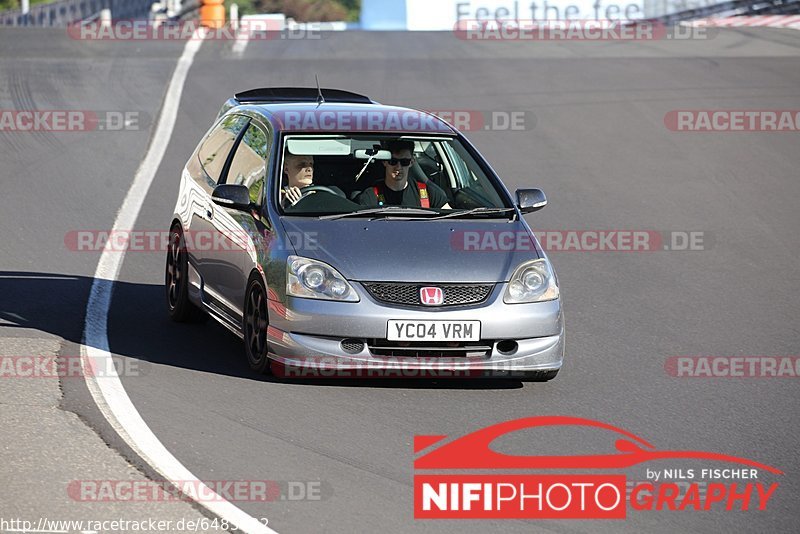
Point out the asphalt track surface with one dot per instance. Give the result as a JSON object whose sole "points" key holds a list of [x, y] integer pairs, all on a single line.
{"points": [[598, 147]]}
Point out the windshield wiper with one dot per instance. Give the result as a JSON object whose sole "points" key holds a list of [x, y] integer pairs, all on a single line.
{"points": [[391, 210], [470, 212]]}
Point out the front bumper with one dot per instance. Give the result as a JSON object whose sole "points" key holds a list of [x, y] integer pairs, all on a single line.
{"points": [[306, 335], [301, 354]]}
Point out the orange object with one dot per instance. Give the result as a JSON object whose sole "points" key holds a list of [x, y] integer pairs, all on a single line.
{"points": [[212, 14]]}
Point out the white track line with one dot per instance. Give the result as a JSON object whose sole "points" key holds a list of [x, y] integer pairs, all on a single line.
{"points": [[242, 39], [247, 25], [107, 390]]}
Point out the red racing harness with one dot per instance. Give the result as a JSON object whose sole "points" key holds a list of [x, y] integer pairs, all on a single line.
{"points": [[424, 201]]}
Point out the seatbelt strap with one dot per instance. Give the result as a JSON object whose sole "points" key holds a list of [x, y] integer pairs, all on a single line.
{"points": [[424, 201], [379, 194]]}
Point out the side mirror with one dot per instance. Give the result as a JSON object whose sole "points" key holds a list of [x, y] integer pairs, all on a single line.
{"points": [[530, 200], [232, 196]]}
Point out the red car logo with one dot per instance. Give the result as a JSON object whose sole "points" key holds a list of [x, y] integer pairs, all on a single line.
{"points": [[431, 296], [473, 450]]}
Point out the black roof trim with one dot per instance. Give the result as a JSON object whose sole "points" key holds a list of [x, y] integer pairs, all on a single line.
{"points": [[299, 94]]}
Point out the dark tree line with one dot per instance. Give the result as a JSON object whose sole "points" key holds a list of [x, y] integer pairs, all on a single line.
{"points": [[304, 10]]}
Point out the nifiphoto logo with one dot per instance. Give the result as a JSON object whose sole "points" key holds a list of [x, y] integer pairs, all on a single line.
{"points": [[497, 490]]}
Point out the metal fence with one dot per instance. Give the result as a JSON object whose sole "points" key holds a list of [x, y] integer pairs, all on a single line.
{"points": [[66, 11], [678, 10]]}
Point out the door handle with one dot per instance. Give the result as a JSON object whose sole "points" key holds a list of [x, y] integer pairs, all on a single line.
{"points": [[210, 212]]}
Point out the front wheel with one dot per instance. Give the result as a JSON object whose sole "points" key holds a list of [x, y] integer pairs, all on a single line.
{"points": [[176, 281], [539, 376], [255, 326]]}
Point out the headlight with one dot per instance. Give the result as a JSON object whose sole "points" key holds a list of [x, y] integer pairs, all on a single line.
{"points": [[313, 279], [533, 281]]}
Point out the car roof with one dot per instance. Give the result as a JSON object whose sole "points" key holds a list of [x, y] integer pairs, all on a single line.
{"points": [[297, 110]]}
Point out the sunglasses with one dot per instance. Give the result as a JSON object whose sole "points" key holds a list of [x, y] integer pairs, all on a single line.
{"points": [[405, 162]]}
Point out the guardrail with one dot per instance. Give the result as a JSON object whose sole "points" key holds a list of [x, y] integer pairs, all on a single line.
{"points": [[64, 12], [730, 9], [189, 9]]}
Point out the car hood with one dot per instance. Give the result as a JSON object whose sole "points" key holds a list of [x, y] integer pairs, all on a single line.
{"points": [[415, 251]]}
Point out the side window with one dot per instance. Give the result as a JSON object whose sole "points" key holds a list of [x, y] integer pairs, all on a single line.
{"points": [[248, 167], [471, 180], [428, 159], [218, 144]]}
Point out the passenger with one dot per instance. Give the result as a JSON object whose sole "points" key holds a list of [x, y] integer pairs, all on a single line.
{"points": [[298, 172], [396, 190]]}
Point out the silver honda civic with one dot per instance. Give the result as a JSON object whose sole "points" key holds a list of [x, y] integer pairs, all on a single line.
{"points": [[339, 237]]}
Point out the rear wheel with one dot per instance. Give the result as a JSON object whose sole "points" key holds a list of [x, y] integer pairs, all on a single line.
{"points": [[255, 326], [176, 281]]}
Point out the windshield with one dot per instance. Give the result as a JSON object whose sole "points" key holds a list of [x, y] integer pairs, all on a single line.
{"points": [[414, 176]]}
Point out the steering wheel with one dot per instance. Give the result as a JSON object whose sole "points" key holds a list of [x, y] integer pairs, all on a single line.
{"points": [[311, 189]]}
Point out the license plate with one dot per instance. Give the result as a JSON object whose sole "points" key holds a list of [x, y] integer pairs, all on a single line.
{"points": [[434, 330]]}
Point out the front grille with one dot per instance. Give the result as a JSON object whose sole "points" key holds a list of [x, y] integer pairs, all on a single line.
{"points": [[407, 294], [418, 349]]}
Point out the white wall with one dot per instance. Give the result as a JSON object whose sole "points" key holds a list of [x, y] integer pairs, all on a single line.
{"points": [[383, 15]]}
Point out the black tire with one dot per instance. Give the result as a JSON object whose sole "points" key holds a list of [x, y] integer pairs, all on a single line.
{"points": [[176, 281], [255, 325], [539, 376]]}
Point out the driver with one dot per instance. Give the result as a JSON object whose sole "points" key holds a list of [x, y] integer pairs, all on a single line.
{"points": [[396, 189]]}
